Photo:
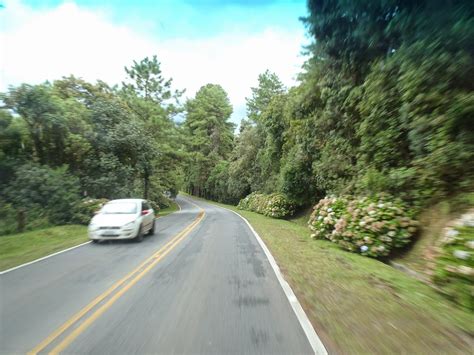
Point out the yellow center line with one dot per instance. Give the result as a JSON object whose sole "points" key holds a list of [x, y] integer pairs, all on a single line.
{"points": [[154, 259]]}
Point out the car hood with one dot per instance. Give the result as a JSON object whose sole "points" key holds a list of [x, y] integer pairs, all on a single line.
{"points": [[112, 220]]}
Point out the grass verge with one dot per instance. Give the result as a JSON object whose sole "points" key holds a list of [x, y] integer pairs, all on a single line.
{"points": [[168, 210], [360, 305], [20, 248]]}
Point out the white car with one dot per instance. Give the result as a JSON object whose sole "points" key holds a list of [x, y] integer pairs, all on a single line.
{"points": [[122, 219]]}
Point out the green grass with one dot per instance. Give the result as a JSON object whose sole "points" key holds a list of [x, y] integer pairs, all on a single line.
{"points": [[16, 249], [360, 305], [20, 248], [166, 211]]}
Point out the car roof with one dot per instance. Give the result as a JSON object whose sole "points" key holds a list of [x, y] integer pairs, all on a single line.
{"points": [[129, 200]]}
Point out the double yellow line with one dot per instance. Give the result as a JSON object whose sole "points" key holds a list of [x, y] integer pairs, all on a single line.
{"points": [[127, 282]]}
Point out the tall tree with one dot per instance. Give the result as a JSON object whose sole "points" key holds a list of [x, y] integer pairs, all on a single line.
{"points": [[269, 85], [265, 110], [150, 97], [210, 134]]}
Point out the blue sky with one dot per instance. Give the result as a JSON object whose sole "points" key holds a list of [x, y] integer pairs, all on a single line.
{"points": [[200, 18], [224, 42]]}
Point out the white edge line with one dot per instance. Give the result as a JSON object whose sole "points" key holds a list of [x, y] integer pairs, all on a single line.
{"points": [[43, 258], [313, 338]]}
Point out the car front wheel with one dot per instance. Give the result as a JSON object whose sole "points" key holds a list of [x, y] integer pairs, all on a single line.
{"points": [[139, 236]]}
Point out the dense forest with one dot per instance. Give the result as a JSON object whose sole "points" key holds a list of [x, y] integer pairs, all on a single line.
{"points": [[69, 139], [384, 103]]}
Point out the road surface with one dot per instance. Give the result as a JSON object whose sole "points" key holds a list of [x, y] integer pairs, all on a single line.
{"points": [[200, 285]]}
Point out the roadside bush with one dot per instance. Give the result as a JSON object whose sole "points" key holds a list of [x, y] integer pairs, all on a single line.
{"points": [[156, 207], [34, 218], [454, 273], [369, 226], [250, 202], [84, 210], [8, 218], [53, 191], [274, 205], [325, 215], [159, 200]]}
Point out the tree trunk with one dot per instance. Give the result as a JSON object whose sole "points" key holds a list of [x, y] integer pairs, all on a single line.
{"points": [[21, 220], [38, 146], [146, 183]]}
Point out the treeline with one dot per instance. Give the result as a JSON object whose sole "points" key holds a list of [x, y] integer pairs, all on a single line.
{"points": [[385, 103], [64, 141]]}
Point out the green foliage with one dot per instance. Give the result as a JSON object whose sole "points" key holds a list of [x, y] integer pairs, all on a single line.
{"points": [[454, 272], [207, 121], [210, 138], [84, 210], [118, 142], [274, 205], [159, 201], [217, 183], [296, 177], [146, 81], [41, 111], [13, 136], [255, 160], [8, 218], [36, 187], [243, 170], [149, 96], [369, 226], [156, 206], [383, 106], [269, 86]]}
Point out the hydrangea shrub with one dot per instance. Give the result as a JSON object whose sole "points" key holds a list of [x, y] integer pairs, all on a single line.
{"points": [[454, 273], [274, 205], [369, 226], [325, 216]]}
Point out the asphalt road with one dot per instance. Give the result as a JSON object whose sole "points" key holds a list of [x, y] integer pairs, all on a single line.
{"points": [[210, 291]]}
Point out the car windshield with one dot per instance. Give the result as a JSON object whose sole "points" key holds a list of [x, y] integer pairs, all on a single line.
{"points": [[120, 208]]}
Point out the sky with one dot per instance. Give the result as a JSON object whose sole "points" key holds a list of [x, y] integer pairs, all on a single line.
{"points": [[227, 42]]}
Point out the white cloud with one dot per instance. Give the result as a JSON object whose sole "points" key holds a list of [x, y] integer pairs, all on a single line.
{"points": [[38, 45]]}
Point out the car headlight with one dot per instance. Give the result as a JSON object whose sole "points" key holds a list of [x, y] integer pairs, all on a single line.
{"points": [[129, 226], [93, 227]]}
